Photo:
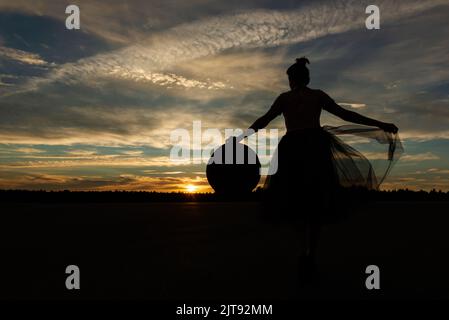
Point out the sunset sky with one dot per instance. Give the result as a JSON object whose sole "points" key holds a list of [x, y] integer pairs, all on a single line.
{"points": [[92, 109]]}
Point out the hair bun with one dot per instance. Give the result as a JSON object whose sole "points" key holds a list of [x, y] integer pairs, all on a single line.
{"points": [[302, 61]]}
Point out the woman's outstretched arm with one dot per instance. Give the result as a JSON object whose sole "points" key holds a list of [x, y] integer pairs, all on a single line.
{"points": [[263, 121], [331, 106]]}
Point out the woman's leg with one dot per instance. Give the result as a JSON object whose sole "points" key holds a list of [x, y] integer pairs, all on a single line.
{"points": [[307, 264]]}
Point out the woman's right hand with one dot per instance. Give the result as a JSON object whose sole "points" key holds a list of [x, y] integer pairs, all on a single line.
{"points": [[389, 127]]}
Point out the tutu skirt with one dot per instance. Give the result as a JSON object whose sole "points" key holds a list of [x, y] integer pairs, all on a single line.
{"points": [[311, 167]]}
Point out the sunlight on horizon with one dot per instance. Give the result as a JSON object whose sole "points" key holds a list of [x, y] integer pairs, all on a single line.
{"points": [[190, 188]]}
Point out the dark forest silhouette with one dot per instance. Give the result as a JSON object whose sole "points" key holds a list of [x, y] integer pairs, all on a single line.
{"points": [[43, 196]]}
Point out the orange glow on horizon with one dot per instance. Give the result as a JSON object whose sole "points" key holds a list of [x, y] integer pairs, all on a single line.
{"points": [[190, 188]]}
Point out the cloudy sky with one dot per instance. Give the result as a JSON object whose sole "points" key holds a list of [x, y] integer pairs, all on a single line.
{"points": [[92, 109]]}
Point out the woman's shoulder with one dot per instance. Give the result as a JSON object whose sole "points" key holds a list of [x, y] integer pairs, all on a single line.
{"points": [[285, 94], [316, 91], [283, 97], [306, 90], [320, 94]]}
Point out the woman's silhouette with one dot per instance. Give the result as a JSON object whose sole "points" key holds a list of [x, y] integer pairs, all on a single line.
{"points": [[312, 163]]}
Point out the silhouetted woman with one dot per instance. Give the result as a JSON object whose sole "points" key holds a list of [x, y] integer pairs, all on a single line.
{"points": [[311, 163]]}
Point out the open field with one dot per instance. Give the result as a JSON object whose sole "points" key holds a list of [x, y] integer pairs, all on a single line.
{"points": [[213, 250]]}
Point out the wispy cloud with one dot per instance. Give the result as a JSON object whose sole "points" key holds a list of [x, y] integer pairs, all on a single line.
{"points": [[22, 56], [29, 150], [420, 157], [133, 152], [109, 160], [211, 36], [353, 105], [437, 171], [168, 80]]}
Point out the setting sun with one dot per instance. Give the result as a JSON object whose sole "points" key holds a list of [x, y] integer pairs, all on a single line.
{"points": [[191, 188]]}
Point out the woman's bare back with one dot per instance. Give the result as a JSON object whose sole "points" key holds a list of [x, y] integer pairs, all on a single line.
{"points": [[301, 108]]}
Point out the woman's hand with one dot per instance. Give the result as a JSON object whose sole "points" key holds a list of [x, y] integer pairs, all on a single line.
{"points": [[389, 127]]}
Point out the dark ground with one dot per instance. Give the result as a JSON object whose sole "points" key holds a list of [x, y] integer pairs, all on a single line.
{"points": [[213, 250]]}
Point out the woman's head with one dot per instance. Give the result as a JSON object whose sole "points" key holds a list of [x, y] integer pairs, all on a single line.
{"points": [[298, 74]]}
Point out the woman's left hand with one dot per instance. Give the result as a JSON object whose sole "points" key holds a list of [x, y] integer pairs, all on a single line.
{"points": [[389, 127]]}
